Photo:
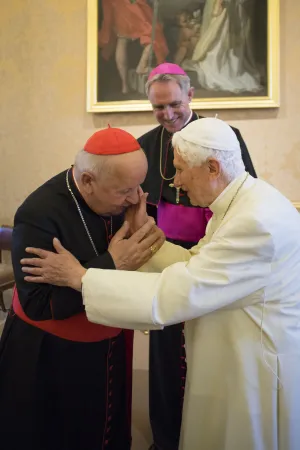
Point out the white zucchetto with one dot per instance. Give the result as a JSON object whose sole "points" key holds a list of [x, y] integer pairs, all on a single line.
{"points": [[210, 133]]}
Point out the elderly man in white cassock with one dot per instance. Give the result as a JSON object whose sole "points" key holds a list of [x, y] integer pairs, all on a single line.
{"points": [[238, 291]]}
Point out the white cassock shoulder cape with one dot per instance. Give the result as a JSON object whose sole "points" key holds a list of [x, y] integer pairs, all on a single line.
{"points": [[238, 291]]}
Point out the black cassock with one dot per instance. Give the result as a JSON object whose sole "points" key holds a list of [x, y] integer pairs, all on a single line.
{"points": [[65, 384], [167, 365]]}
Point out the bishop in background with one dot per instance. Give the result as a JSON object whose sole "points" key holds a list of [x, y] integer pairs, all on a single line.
{"points": [[170, 93]]}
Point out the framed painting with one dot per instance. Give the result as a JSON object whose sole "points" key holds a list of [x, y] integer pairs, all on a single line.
{"points": [[229, 49]]}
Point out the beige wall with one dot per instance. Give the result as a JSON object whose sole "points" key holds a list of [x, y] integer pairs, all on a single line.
{"points": [[42, 90]]}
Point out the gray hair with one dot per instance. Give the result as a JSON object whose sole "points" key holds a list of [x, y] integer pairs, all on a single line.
{"points": [[87, 162], [183, 81], [231, 162]]}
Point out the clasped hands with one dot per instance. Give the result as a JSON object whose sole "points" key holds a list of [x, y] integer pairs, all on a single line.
{"points": [[138, 239], [131, 247]]}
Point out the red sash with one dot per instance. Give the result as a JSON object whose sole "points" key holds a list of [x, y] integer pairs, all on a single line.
{"points": [[76, 328]]}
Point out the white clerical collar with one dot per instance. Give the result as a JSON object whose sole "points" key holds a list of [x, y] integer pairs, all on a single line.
{"points": [[188, 119], [222, 201]]}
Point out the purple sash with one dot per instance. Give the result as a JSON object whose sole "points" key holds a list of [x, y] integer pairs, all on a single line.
{"points": [[182, 223]]}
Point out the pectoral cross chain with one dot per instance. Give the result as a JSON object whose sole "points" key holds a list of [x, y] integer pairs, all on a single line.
{"points": [[177, 191]]}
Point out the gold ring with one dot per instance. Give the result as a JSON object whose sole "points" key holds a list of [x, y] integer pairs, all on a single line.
{"points": [[153, 249]]}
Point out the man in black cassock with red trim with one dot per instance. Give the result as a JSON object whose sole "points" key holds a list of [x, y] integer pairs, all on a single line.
{"points": [[169, 91], [65, 383]]}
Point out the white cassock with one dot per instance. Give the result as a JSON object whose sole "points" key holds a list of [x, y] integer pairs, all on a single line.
{"points": [[238, 291]]}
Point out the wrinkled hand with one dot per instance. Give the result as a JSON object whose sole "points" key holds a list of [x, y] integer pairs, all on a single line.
{"points": [[59, 269], [132, 253], [136, 215]]}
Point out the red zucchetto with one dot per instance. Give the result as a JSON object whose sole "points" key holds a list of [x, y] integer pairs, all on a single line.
{"points": [[111, 141]]}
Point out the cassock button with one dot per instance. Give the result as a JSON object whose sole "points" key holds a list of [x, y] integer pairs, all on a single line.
{"points": [[109, 236], [108, 222]]}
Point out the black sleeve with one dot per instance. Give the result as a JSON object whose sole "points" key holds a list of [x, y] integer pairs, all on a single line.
{"points": [[245, 154], [141, 140], [152, 211], [103, 261], [44, 301], [147, 141]]}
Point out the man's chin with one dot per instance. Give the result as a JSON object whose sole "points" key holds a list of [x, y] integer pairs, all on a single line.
{"points": [[174, 126], [117, 211], [192, 202]]}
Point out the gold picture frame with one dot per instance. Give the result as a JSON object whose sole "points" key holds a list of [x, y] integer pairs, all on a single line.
{"points": [[297, 206], [124, 103]]}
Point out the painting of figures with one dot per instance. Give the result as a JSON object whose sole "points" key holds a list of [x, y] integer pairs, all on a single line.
{"points": [[229, 49]]}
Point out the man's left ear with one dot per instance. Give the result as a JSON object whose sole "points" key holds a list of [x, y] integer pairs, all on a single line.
{"points": [[214, 167], [86, 180], [191, 94]]}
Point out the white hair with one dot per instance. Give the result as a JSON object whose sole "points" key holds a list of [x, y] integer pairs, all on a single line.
{"points": [[87, 162], [183, 81], [231, 162]]}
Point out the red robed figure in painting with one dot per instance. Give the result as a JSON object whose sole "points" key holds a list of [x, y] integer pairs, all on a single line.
{"points": [[126, 20]]}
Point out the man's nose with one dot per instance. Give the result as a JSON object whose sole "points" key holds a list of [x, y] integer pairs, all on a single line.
{"points": [[134, 197], [177, 182], [168, 113]]}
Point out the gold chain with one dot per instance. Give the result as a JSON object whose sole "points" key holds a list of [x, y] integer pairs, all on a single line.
{"points": [[233, 198], [161, 155], [160, 158]]}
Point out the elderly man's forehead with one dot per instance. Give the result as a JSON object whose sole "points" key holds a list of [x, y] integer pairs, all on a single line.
{"points": [[128, 163]]}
